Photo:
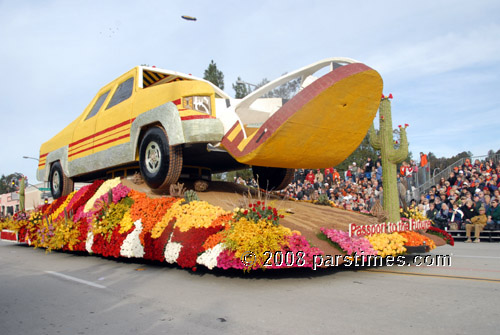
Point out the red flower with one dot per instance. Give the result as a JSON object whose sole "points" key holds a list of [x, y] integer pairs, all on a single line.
{"points": [[383, 97], [390, 96], [250, 205], [245, 212], [407, 125], [399, 126]]}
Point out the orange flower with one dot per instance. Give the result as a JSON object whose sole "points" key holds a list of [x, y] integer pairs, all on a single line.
{"points": [[415, 239], [149, 210], [213, 240]]}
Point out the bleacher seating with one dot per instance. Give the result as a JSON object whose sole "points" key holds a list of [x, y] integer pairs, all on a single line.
{"points": [[486, 235]]}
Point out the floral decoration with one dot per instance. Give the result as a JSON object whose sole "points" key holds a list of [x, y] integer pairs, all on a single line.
{"points": [[350, 245], [441, 233], [388, 244]]}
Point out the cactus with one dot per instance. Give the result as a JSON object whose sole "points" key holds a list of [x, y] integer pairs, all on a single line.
{"points": [[191, 196], [323, 200], [382, 140]]}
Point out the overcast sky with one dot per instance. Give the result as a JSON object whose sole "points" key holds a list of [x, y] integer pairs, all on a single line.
{"points": [[440, 59]]}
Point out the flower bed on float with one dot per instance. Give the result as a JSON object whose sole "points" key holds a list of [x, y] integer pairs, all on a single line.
{"points": [[109, 219]]}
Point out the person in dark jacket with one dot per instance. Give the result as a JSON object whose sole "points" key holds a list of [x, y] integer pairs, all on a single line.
{"points": [[431, 212], [493, 212], [443, 217], [469, 211]]}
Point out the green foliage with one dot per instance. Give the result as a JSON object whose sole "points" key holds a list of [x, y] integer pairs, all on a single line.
{"points": [[230, 176], [259, 211], [5, 182], [323, 237], [360, 155], [442, 163], [241, 90], [214, 75], [191, 195], [285, 91], [323, 200]]}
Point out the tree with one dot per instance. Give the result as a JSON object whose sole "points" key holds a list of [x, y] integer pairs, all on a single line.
{"points": [[241, 90], [6, 182], [214, 75], [360, 155], [285, 91]]}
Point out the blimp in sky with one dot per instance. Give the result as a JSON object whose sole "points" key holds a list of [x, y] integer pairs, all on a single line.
{"points": [[188, 18]]}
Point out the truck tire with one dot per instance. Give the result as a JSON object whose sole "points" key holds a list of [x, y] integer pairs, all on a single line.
{"points": [[273, 179], [160, 164], [60, 184]]}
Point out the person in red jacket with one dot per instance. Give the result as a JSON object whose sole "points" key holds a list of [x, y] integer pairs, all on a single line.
{"points": [[424, 166], [310, 177]]}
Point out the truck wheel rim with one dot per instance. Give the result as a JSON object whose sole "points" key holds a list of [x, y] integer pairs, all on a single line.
{"points": [[56, 181], [153, 157]]}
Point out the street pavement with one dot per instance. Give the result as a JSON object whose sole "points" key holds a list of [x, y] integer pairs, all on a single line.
{"points": [[66, 293]]}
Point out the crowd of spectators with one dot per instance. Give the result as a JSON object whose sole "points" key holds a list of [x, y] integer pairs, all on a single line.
{"points": [[452, 202], [456, 200], [357, 189]]}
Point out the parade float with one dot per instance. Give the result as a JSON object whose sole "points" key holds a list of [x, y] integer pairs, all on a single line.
{"points": [[109, 218], [164, 123]]}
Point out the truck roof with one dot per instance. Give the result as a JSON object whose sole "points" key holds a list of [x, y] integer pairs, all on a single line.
{"points": [[152, 75]]}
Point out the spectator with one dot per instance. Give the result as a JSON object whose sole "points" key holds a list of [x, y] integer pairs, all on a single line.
{"points": [[354, 171], [443, 217], [431, 213], [456, 216], [452, 179], [421, 209], [310, 177], [335, 175], [424, 167], [318, 178], [437, 203], [469, 211], [494, 212], [368, 168], [477, 222], [378, 172]]}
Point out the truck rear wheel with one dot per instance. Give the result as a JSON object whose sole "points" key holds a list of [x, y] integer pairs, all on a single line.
{"points": [[160, 163], [60, 184], [273, 179]]}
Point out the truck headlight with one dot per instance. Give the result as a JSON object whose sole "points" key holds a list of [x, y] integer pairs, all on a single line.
{"points": [[198, 103]]}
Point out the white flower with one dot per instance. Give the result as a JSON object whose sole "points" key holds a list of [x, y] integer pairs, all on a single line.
{"points": [[89, 242], [209, 257], [172, 251], [132, 246]]}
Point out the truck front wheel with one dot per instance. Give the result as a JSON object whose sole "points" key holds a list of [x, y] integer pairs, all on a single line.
{"points": [[160, 163], [60, 184]]}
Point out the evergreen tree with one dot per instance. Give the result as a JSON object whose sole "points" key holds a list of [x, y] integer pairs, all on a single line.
{"points": [[241, 90], [214, 75]]}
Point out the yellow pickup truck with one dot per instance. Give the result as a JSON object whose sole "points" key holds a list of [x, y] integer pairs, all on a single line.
{"points": [[171, 125]]}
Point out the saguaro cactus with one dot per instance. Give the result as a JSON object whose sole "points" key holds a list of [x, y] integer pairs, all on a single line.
{"points": [[383, 141]]}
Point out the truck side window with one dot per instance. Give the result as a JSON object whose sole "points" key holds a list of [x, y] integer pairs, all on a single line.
{"points": [[97, 105], [123, 92]]}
